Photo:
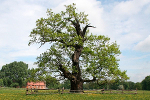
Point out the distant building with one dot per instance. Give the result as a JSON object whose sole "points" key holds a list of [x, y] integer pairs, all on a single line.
{"points": [[36, 85]]}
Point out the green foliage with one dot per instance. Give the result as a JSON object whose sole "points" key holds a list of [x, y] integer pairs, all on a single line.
{"points": [[99, 58], [65, 84], [14, 85], [1, 83], [131, 85], [73, 50], [7, 81], [138, 86], [57, 27], [121, 87], [51, 82], [128, 85], [115, 85], [92, 85], [146, 83], [125, 85], [32, 75], [15, 72]]}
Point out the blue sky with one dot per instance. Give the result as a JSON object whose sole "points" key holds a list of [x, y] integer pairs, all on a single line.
{"points": [[125, 21]]}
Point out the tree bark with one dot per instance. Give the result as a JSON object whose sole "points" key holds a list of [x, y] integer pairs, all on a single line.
{"points": [[76, 79], [76, 86]]}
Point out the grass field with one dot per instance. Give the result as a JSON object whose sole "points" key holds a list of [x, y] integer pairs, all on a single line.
{"points": [[19, 94]]}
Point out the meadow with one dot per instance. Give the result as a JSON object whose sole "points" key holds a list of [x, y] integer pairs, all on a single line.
{"points": [[20, 94]]}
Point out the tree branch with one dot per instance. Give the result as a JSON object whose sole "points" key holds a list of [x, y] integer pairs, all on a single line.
{"points": [[94, 79], [103, 83], [76, 25], [85, 28], [66, 73], [55, 40]]}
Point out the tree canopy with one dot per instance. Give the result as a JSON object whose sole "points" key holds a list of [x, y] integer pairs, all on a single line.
{"points": [[146, 83], [14, 73], [73, 52]]}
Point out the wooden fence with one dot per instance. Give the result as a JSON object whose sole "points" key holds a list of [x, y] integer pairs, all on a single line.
{"points": [[62, 91]]}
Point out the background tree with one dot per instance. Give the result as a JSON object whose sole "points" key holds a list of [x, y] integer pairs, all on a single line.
{"points": [[125, 85], [51, 82], [32, 76], [14, 73], [131, 85], [114, 85], [65, 84], [138, 86], [1, 83], [146, 83], [74, 54]]}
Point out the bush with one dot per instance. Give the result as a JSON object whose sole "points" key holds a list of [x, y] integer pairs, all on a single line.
{"points": [[14, 85]]}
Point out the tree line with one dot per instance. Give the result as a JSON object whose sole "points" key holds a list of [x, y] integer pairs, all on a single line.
{"points": [[17, 74], [126, 85]]}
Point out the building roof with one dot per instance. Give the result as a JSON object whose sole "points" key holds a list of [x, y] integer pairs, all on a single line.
{"points": [[36, 83]]}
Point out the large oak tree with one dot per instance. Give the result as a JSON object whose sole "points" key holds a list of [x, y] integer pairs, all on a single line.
{"points": [[74, 53]]}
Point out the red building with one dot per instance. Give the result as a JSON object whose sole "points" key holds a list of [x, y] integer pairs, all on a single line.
{"points": [[36, 85]]}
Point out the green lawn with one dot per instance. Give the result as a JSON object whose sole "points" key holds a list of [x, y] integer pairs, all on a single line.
{"points": [[19, 94]]}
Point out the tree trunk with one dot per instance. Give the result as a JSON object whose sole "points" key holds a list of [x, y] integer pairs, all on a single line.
{"points": [[76, 86], [76, 80]]}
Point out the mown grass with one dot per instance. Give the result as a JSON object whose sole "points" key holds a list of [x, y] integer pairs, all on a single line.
{"points": [[19, 94]]}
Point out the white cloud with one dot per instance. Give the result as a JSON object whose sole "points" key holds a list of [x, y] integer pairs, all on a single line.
{"points": [[127, 40], [128, 8], [147, 11], [17, 20], [138, 77], [136, 66], [126, 22], [144, 45]]}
